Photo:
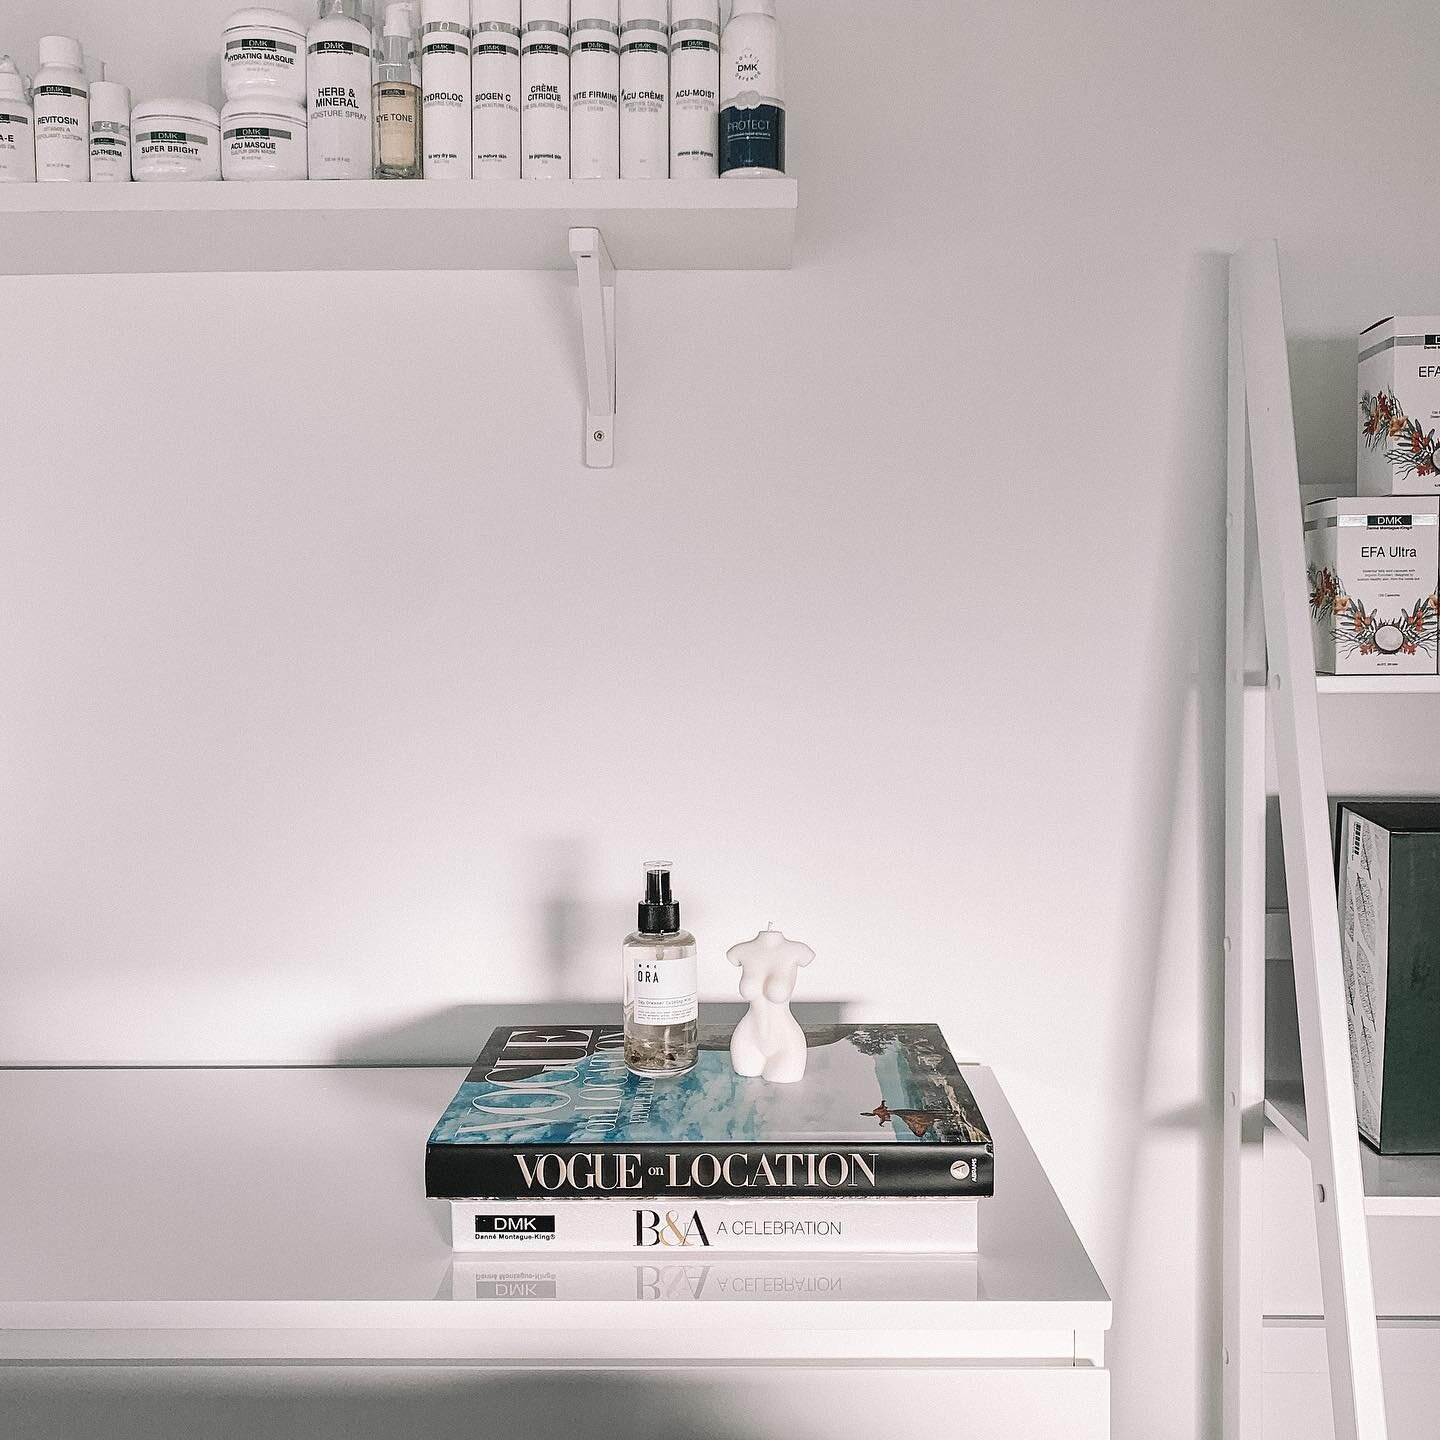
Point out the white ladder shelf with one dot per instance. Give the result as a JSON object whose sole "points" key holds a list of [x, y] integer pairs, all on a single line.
{"points": [[1271, 686]]}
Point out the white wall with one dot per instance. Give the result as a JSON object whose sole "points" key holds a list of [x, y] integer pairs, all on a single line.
{"points": [[339, 697]]}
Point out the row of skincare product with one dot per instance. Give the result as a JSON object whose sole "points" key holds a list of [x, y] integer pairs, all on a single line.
{"points": [[61, 102], [263, 55], [1399, 418], [694, 89], [644, 90], [661, 985], [495, 85], [1374, 568], [17, 125], [397, 102], [445, 89], [1390, 950], [489, 89], [595, 90], [339, 78], [175, 140], [109, 132], [752, 92], [263, 138], [545, 89]]}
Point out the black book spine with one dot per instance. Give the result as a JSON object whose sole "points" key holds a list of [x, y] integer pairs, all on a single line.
{"points": [[735, 1172]]}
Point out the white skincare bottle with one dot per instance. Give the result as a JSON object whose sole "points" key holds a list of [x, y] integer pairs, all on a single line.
{"points": [[595, 90], [338, 79], [495, 84], [644, 90], [545, 89], [752, 92], [694, 89], [17, 126], [62, 111], [109, 131], [445, 88]]}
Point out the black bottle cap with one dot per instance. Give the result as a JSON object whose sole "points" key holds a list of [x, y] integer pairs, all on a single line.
{"points": [[659, 913]]}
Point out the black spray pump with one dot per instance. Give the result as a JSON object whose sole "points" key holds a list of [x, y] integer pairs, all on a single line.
{"points": [[659, 913]]}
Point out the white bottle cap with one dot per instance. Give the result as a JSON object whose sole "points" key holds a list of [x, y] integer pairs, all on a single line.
{"points": [[495, 12], [94, 69], [753, 7], [686, 13], [62, 52], [552, 12], [445, 12], [645, 12], [581, 10], [400, 18], [109, 101], [12, 82]]}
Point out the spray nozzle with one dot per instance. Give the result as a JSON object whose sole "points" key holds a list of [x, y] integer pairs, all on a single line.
{"points": [[659, 911], [657, 882], [399, 19]]}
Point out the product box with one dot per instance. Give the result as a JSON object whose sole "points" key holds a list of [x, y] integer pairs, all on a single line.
{"points": [[1399, 407], [1374, 567], [705, 1227], [1389, 880]]}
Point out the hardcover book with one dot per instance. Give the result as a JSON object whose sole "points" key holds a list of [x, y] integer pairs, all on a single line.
{"points": [[705, 1227], [551, 1111]]}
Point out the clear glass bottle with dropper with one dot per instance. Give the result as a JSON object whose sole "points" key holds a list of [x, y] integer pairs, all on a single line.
{"points": [[662, 1029]]}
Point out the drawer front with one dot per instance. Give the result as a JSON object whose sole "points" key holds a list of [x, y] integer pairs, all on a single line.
{"points": [[441, 1402]]}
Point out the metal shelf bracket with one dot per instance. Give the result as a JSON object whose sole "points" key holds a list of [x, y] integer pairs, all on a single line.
{"points": [[596, 276]]}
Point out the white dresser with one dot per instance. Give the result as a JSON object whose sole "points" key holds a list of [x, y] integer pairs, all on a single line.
{"points": [[250, 1253]]}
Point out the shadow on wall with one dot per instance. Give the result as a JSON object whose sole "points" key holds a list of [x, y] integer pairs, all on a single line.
{"points": [[573, 918], [455, 1035], [1322, 381], [1186, 733], [303, 1403]]}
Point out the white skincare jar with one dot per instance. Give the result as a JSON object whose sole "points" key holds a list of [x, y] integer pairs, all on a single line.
{"points": [[264, 140], [263, 54], [174, 140]]}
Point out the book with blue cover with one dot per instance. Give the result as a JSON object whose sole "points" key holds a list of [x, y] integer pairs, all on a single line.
{"points": [[552, 1112]]}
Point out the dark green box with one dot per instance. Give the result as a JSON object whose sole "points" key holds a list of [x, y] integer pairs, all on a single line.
{"points": [[1388, 868]]}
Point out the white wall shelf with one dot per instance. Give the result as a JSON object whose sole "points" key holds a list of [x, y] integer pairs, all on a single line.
{"points": [[263, 1215], [1378, 684], [594, 227], [1370, 685], [1393, 1184], [378, 225]]}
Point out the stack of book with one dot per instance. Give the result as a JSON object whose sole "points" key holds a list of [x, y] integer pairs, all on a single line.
{"points": [[551, 1144]]}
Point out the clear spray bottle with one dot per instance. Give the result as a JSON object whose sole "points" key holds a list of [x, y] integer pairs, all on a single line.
{"points": [[662, 1009]]}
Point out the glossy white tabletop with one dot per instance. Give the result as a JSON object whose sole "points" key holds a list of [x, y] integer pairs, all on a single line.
{"points": [[192, 1213]]}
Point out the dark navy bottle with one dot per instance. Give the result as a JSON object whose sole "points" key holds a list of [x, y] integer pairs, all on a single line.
{"points": [[752, 92]]}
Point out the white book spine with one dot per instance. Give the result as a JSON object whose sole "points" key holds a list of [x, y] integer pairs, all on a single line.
{"points": [[669, 1226]]}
